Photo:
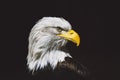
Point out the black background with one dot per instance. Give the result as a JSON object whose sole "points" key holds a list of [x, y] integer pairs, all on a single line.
{"points": [[94, 21]]}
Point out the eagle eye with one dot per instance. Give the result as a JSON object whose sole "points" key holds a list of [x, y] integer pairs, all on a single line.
{"points": [[59, 29]]}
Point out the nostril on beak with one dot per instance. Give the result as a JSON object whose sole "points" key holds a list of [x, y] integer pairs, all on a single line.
{"points": [[71, 33]]}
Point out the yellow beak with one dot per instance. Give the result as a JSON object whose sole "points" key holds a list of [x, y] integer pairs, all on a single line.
{"points": [[71, 35]]}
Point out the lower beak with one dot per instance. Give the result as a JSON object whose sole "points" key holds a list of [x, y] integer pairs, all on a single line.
{"points": [[71, 35]]}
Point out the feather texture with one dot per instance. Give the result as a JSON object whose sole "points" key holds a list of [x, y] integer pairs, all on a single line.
{"points": [[46, 54], [44, 44]]}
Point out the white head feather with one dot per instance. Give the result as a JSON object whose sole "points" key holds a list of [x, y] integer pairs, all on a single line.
{"points": [[44, 44]]}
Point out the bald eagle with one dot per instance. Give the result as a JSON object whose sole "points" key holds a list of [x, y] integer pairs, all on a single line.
{"points": [[47, 58]]}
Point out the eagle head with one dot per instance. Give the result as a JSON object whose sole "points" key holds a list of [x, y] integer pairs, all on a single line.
{"points": [[46, 38]]}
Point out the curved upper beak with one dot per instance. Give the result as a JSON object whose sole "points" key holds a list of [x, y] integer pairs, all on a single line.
{"points": [[71, 35]]}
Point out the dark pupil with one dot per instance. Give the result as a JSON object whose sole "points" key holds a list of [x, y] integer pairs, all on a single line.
{"points": [[59, 29]]}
